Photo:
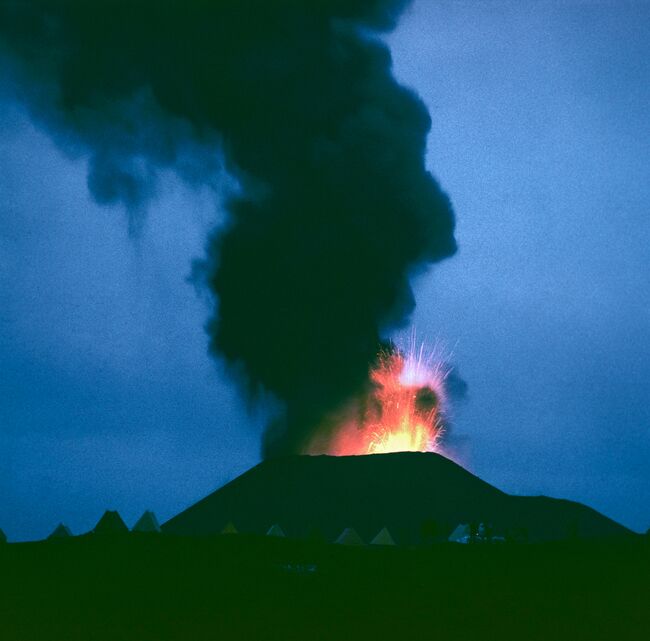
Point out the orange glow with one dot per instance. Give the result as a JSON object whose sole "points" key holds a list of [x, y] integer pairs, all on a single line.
{"points": [[403, 412]]}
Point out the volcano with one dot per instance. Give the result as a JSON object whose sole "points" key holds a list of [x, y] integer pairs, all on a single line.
{"points": [[409, 493]]}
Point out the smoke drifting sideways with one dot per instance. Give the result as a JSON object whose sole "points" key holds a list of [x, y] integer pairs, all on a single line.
{"points": [[335, 210]]}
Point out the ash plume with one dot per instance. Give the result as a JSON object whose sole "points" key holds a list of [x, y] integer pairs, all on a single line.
{"points": [[335, 209]]}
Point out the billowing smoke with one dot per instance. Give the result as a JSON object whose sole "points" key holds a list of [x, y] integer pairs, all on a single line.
{"points": [[335, 209]]}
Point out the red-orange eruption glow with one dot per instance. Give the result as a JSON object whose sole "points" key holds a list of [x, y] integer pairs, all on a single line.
{"points": [[404, 411]]}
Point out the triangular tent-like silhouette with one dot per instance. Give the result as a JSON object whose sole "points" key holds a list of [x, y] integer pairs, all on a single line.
{"points": [[3, 537], [275, 530], [461, 534], [61, 531], [349, 536], [110, 523], [147, 523], [229, 528], [383, 537]]}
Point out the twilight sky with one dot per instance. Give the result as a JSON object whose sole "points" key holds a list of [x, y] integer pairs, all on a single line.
{"points": [[108, 398]]}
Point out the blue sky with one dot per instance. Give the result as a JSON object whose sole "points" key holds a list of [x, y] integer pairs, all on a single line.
{"points": [[109, 400]]}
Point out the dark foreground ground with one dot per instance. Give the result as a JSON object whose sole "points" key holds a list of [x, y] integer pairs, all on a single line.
{"points": [[236, 587]]}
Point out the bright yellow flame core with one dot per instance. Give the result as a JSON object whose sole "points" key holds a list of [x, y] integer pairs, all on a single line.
{"points": [[406, 438]]}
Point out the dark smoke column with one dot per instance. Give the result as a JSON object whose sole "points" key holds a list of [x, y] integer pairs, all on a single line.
{"points": [[336, 208]]}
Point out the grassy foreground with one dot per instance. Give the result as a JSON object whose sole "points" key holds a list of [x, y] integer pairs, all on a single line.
{"points": [[238, 587]]}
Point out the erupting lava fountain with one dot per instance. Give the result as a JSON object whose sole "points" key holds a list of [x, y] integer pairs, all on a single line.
{"points": [[406, 409]]}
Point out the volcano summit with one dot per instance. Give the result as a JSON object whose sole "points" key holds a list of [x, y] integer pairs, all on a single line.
{"points": [[405, 492]]}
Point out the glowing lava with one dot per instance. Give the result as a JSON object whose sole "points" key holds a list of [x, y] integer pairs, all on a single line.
{"points": [[404, 411]]}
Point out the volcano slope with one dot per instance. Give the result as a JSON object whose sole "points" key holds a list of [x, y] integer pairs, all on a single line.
{"points": [[415, 495]]}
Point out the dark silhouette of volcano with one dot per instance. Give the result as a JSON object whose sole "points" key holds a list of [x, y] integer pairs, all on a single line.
{"points": [[405, 492]]}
